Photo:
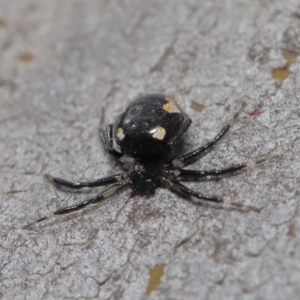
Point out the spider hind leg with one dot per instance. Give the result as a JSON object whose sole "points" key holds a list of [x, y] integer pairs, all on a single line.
{"points": [[223, 202], [206, 175], [197, 154]]}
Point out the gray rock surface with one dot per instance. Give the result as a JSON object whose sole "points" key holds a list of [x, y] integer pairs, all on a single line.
{"points": [[63, 62]]}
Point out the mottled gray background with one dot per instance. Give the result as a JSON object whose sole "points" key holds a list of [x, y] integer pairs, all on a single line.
{"points": [[62, 62]]}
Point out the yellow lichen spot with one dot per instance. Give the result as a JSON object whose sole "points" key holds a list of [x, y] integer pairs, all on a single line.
{"points": [[120, 134], [197, 107], [26, 57], [291, 231], [171, 106], [283, 73], [2, 24], [155, 275], [159, 133]]}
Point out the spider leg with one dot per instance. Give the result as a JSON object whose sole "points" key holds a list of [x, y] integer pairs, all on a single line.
{"points": [[224, 202], [105, 194], [198, 175], [106, 137], [192, 156], [90, 184]]}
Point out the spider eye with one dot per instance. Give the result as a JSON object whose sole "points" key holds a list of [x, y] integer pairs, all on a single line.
{"points": [[135, 110], [150, 111]]}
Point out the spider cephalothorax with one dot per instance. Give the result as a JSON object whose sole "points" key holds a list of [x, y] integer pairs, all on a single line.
{"points": [[144, 138]]}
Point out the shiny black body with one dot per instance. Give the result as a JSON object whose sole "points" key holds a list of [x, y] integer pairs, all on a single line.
{"points": [[143, 138], [139, 121]]}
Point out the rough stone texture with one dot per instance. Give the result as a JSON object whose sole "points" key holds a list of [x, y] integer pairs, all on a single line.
{"points": [[83, 56]]}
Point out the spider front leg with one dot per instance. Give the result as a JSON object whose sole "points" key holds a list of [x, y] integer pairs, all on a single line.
{"points": [[224, 202], [193, 156], [90, 184], [105, 194]]}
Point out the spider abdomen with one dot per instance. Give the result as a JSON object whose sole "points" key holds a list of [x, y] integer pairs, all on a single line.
{"points": [[150, 126]]}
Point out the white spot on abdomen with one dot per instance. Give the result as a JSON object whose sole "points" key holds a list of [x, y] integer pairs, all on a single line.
{"points": [[158, 133]]}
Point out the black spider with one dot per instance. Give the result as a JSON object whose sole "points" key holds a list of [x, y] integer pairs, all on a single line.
{"points": [[143, 138]]}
